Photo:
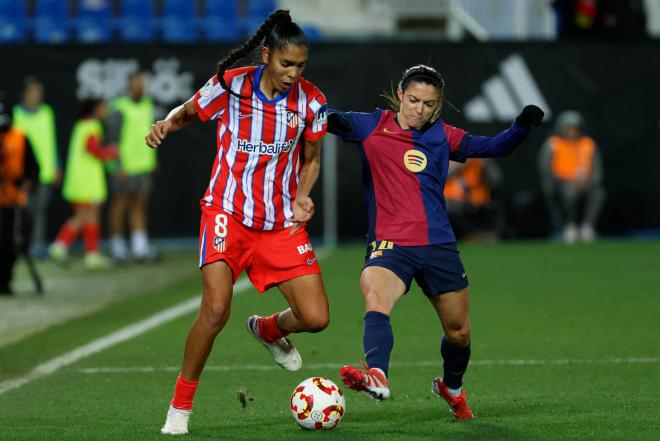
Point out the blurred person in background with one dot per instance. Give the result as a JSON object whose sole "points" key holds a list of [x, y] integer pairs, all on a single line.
{"points": [[571, 171], [131, 178], [19, 172], [600, 19], [37, 120], [474, 211], [85, 186], [405, 155]]}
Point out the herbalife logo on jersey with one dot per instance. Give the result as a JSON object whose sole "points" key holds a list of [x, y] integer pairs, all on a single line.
{"points": [[505, 94], [263, 148]]}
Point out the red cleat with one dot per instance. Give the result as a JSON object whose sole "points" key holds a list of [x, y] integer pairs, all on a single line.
{"points": [[370, 381], [458, 405]]}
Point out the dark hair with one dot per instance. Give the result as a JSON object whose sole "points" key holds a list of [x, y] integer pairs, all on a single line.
{"points": [[420, 73], [136, 74], [278, 31], [30, 80], [87, 106]]}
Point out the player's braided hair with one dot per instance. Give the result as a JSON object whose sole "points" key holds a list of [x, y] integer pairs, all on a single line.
{"points": [[278, 30], [423, 74]]}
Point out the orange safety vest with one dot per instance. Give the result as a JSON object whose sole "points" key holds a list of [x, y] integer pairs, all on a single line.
{"points": [[472, 177], [572, 158], [12, 168]]}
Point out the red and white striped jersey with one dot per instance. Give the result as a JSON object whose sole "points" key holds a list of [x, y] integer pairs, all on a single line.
{"points": [[260, 145]]}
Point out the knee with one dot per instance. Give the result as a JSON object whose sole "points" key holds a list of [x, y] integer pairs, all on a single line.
{"points": [[460, 335], [215, 314], [373, 301], [316, 322]]}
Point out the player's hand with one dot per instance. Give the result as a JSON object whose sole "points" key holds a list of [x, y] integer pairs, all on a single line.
{"points": [[157, 133], [531, 115], [303, 210]]}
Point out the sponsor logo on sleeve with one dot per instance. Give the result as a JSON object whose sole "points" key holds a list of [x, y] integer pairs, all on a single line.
{"points": [[322, 114], [207, 89]]}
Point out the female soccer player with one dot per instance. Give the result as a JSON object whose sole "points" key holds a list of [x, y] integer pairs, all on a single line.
{"points": [[270, 125], [405, 155]]}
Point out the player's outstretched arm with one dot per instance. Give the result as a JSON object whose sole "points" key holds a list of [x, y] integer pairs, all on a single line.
{"points": [[506, 141], [177, 119]]}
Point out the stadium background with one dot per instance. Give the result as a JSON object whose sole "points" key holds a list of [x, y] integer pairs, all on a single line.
{"points": [[621, 105]]}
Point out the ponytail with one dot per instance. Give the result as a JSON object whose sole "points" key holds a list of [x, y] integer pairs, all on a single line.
{"points": [[280, 16]]}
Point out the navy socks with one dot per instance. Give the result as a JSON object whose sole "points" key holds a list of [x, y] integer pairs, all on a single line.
{"points": [[378, 340], [455, 363]]}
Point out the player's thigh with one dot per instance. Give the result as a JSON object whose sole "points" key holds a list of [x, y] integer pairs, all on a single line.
{"points": [[381, 288], [453, 310]]}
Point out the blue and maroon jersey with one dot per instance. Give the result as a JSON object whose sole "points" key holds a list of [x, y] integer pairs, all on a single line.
{"points": [[404, 172]]}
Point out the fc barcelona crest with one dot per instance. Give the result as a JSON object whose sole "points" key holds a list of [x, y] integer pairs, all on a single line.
{"points": [[292, 119]]}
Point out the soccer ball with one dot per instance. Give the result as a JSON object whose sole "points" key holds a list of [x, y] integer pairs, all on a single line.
{"points": [[317, 404]]}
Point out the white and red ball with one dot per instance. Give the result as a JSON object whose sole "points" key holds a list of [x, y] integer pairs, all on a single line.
{"points": [[317, 404]]}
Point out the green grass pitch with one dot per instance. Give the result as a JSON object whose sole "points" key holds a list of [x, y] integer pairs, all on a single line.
{"points": [[566, 346]]}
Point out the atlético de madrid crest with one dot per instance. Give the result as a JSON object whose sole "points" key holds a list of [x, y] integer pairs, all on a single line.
{"points": [[292, 119]]}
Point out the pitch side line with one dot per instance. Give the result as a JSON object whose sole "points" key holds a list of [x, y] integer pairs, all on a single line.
{"points": [[119, 336], [272, 367]]}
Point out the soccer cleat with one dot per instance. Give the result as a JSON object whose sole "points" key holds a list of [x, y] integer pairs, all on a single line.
{"points": [[458, 405], [369, 381], [96, 261], [176, 422], [283, 351], [58, 252]]}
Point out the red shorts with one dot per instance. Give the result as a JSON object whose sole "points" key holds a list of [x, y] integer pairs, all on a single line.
{"points": [[268, 257]]}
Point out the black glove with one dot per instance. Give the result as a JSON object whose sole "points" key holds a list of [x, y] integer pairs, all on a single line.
{"points": [[530, 116]]}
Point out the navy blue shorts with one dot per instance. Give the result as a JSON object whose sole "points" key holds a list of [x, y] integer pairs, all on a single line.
{"points": [[437, 269]]}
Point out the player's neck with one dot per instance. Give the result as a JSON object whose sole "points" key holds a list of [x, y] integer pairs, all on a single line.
{"points": [[401, 120], [267, 87]]}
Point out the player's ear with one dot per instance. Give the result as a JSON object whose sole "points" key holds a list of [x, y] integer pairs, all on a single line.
{"points": [[265, 54], [399, 92]]}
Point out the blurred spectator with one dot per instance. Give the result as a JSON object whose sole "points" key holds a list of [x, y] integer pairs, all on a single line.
{"points": [[571, 172], [85, 185], [474, 213], [18, 173], [600, 18], [36, 119], [132, 173]]}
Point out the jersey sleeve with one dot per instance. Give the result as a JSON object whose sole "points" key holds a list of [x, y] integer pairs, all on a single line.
{"points": [[353, 126], [456, 140], [316, 124], [211, 100]]}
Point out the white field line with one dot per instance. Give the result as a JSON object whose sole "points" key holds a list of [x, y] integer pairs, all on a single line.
{"points": [[119, 336], [272, 367]]}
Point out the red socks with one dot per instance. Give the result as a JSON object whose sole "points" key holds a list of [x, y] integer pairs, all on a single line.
{"points": [[268, 329], [67, 235], [91, 235], [184, 392]]}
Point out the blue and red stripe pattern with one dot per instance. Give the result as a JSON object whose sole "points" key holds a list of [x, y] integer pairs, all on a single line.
{"points": [[259, 145]]}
